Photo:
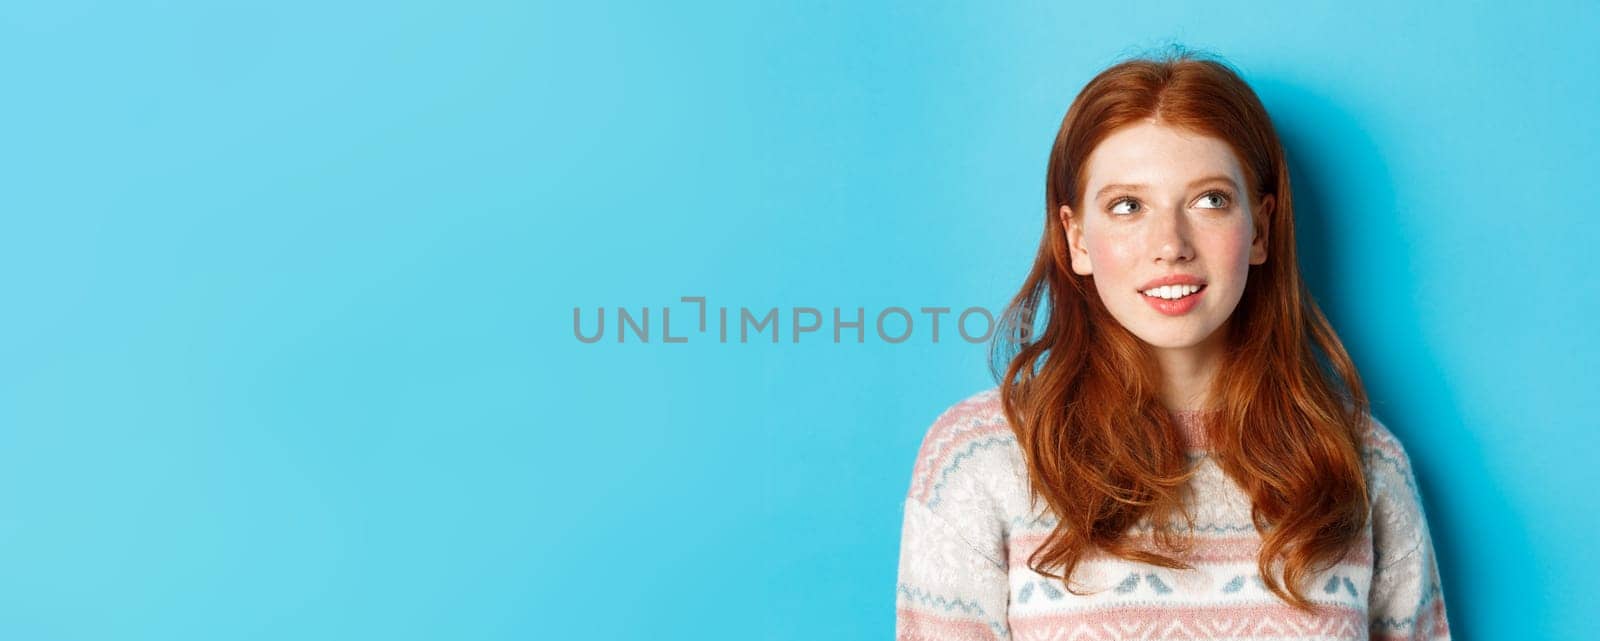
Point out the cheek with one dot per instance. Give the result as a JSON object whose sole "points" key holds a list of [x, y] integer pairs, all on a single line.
{"points": [[1113, 258], [1234, 247]]}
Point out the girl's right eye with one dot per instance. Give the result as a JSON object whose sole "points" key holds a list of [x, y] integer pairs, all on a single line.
{"points": [[1121, 201]]}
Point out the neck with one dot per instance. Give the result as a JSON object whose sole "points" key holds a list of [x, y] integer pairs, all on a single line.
{"points": [[1187, 372]]}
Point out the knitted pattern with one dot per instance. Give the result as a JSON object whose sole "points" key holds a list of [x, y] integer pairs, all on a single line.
{"points": [[969, 529]]}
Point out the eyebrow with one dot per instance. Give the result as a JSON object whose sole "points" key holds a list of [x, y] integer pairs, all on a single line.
{"points": [[1192, 185]]}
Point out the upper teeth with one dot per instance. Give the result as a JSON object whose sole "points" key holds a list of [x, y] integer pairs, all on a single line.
{"points": [[1172, 291]]}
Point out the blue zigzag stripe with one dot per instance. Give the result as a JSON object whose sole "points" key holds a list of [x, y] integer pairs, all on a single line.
{"points": [[955, 462], [1392, 623], [948, 605], [1398, 466]]}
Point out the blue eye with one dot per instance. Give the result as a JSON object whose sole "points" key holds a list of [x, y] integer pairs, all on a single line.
{"points": [[1222, 199], [1220, 196]]}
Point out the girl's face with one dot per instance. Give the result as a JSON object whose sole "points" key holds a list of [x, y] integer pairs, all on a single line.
{"points": [[1163, 202]]}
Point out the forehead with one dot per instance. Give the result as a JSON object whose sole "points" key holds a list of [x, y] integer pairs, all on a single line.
{"points": [[1159, 155]]}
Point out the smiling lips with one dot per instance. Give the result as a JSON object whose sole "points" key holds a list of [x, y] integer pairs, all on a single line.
{"points": [[1173, 295]]}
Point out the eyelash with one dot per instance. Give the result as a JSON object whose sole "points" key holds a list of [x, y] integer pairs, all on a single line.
{"points": [[1227, 197]]}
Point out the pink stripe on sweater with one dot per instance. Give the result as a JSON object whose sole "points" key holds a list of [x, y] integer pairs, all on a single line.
{"points": [[1146, 621], [916, 625]]}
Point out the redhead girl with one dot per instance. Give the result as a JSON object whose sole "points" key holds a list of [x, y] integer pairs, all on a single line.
{"points": [[1179, 447]]}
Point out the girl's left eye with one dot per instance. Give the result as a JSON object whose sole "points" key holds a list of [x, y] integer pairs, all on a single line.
{"points": [[1221, 199]]}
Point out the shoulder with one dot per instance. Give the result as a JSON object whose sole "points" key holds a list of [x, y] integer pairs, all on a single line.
{"points": [[974, 412], [1398, 521], [959, 450], [1384, 456], [966, 476]]}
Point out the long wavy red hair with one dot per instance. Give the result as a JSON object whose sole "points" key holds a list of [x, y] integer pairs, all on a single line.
{"points": [[1082, 395]]}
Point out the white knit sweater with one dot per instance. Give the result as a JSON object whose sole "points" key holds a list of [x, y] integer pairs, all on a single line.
{"points": [[969, 529]]}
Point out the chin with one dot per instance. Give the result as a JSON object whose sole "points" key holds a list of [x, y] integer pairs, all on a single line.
{"points": [[1180, 343], [1187, 339]]}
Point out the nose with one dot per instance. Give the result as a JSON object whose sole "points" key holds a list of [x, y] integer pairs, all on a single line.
{"points": [[1169, 236]]}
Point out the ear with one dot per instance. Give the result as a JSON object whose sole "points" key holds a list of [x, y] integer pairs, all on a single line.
{"points": [[1075, 248], [1263, 217]]}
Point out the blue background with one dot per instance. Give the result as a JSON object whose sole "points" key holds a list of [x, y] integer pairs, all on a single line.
{"points": [[288, 289]]}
